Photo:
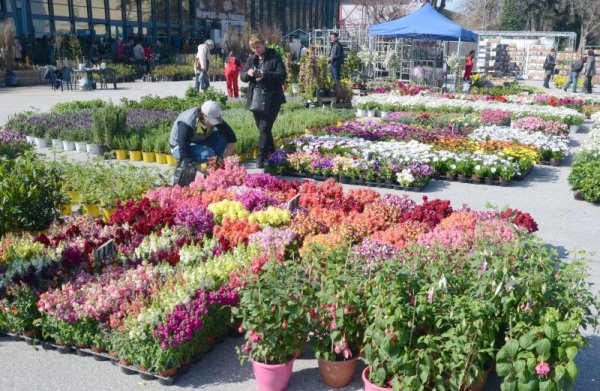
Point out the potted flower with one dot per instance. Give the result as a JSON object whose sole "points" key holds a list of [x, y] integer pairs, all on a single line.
{"points": [[120, 144], [372, 109], [68, 143], [273, 313], [55, 135], [386, 109], [506, 173], [337, 321]]}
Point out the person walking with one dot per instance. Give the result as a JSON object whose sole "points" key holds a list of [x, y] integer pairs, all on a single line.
{"points": [[336, 57], [202, 65], [197, 135], [590, 71], [232, 74], [469, 63], [549, 65], [576, 68], [265, 73]]}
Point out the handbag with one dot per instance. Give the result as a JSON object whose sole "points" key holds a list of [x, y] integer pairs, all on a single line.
{"points": [[261, 101], [185, 173]]}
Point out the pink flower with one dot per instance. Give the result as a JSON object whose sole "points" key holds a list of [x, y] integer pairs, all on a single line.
{"points": [[431, 295], [542, 369]]}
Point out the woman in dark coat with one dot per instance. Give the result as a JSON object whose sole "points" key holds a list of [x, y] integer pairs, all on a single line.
{"points": [[264, 70]]}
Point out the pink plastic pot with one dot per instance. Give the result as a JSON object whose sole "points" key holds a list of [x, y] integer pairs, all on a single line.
{"points": [[273, 377], [370, 386]]}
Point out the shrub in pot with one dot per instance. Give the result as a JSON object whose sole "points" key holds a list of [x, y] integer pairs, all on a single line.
{"points": [[337, 315], [272, 310], [30, 194]]}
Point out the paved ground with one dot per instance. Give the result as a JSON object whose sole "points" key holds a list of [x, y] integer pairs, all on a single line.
{"points": [[566, 224]]}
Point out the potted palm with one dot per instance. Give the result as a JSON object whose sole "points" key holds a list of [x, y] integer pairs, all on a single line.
{"points": [[337, 321], [273, 313]]}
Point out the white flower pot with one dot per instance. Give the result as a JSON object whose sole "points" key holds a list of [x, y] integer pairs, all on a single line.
{"points": [[361, 113], [81, 146], [384, 114], [30, 140], [42, 142], [57, 143], [95, 149], [68, 145], [574, 128], [371, 113]]}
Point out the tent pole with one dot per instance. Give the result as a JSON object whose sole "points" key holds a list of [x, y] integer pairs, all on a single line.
{"points": [[458, 68]]}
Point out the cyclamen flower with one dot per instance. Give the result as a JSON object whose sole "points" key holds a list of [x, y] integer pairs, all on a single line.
{"points": [[542, 369]]}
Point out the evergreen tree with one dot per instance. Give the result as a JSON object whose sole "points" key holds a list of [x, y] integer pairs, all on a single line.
{"points": [[512, 17]]}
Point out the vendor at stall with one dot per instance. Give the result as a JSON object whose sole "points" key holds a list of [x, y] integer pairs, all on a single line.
{"points": [[199, 134]]}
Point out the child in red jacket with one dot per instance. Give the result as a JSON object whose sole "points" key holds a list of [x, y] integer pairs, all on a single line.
{"points": [[232, 74]]}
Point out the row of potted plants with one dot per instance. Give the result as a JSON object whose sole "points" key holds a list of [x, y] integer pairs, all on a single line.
{"points": [[584, 177], [351, 269], [425, 103]]}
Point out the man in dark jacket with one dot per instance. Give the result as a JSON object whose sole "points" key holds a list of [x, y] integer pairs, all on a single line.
{"points": [[576, 68], [549, 65], [336, 57], [590, 71], [199, 134], [265, 73]]}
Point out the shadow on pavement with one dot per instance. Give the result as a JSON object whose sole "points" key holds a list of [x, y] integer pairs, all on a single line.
{"points": [[537, 175]]}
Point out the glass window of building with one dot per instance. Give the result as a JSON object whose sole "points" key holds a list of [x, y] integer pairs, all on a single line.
{"points": [[186, 12], [41, 27], [131, 10], [62, 26], [81, 27], [115, 10], [80, 8], [174, 11], [161, 11], [38, 7], [61, 8], [147, 11], [98, 10], [100, 29]]}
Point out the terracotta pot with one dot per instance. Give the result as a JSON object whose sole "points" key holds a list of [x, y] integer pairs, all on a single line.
{"points": [[168, 372], [28, 334], [98, 349], [337, 374], [370, 386], [480, 385], [186, 362], [124, 362], [272, 377]]}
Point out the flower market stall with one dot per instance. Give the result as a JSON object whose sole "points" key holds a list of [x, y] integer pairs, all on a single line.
{"points": [[417, 39], [348, 272]]}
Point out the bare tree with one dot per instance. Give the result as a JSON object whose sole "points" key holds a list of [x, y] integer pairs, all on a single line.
{"points": [[588, 12], [379, 11], [480, 14]]}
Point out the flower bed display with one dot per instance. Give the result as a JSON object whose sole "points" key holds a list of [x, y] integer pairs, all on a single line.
{"points": [[350, 272], [429, 103]]}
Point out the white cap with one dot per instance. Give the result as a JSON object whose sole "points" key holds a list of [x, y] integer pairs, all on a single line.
{"points": [[212, 111], [209, 42]]}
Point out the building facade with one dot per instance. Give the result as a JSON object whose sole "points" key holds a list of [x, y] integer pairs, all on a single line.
{"points": [[165, 18]]}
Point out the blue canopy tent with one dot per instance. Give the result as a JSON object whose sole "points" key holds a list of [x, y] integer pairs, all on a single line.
{"points": [[426, 23]]}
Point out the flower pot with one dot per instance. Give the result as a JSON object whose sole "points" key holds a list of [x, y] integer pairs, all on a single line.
{"points": [[30, 140], [92, 210], [503, 182], [81, 146], [168, 372], [161, 158], [489, 181], [28, 334], [370, 386], [462, 178], [361, 113], [475, 179], [41, 142], [135, 156], [171, 161], [272, 377], [107, 213], [66, 210], [385, 114], [577, 195], [124, 362], [371, 113], [574, 128], [57, 143], [68, 145], [94, 149], [337, 374], [74, 197], [149, 157], [121, 154]]}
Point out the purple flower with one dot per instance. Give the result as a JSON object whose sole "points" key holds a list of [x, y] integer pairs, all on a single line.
{"points": [[199, 220], [273, 238], [255, 199]]}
